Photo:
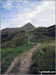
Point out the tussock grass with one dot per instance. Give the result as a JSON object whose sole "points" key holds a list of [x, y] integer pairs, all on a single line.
{"points": [[43, 58], [8, 54]]}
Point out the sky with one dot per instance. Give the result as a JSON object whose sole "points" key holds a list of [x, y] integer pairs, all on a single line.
{"points": [[16, 13]]}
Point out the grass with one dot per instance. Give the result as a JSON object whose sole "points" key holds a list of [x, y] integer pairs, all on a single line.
{"points": [[43, 58], [8, 54]]}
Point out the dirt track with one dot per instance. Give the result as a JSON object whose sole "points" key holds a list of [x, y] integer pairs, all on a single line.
{"points": [[25, 63]]}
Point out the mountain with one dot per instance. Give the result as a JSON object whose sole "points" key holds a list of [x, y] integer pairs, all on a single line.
{"points": [[27, 27], [12, 37], [9, 33]]}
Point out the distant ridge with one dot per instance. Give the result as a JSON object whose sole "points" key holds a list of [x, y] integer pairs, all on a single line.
{"points": [[26, 27]]}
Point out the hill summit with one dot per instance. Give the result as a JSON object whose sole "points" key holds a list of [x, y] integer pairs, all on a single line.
{"points": [[27, 26]]}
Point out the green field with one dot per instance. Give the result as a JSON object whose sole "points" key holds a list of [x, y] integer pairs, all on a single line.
{"points": [[43, 58], [7, 55]]}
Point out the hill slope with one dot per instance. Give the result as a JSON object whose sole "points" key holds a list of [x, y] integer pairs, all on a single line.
{"points": [[15, 41], [12, 37]]}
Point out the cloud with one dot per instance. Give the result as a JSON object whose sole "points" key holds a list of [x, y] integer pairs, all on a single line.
{"points": [[7, 5], [46, 16], [42, 14]]}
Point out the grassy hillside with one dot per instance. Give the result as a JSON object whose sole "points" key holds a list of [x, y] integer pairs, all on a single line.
{"points": [[15, 41], [8, 54], [43, 58], [42, 34], [12, 37]]}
